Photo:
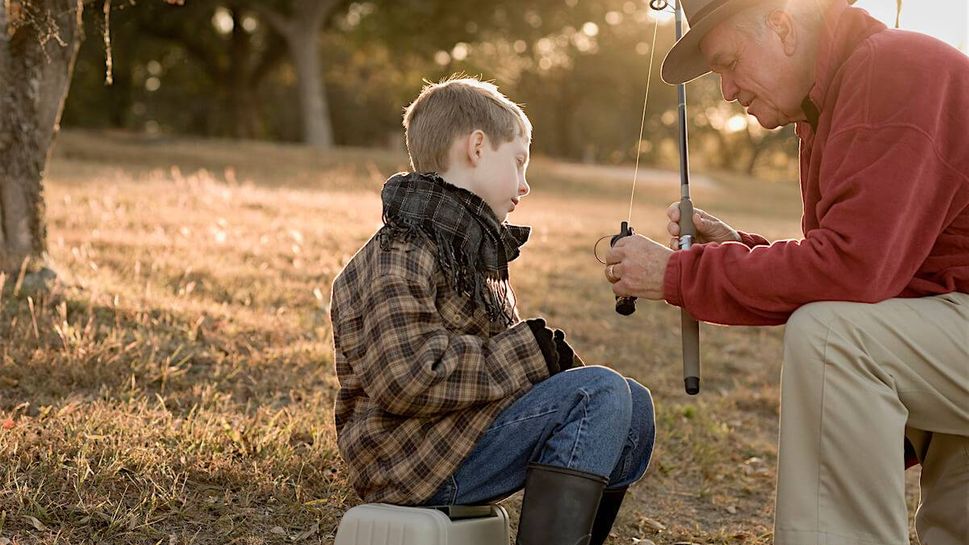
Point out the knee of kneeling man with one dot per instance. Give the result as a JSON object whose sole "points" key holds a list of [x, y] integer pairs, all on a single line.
{"points": [[810, 322]]}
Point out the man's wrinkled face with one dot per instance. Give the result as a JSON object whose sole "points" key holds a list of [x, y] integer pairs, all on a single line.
{"points": [[760, 72]]}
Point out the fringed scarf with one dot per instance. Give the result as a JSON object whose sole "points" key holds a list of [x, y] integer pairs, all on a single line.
{"points": [[473, 248]]}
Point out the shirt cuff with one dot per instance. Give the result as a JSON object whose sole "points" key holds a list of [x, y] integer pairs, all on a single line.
{"points": [[671, 280]]}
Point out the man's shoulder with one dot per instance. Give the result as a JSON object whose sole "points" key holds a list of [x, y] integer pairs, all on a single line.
{"points": [[917, 54], [904, 63], [897, 77]]}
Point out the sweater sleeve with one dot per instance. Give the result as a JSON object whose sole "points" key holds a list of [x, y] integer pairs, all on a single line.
{"points": [[884, 192], [415, 366], [750, 239]]}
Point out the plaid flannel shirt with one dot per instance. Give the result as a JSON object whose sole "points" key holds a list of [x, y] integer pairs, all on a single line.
{"points": [[422, 376]]}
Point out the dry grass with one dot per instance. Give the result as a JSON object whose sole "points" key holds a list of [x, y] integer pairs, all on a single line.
{"points": [[177, 385]]}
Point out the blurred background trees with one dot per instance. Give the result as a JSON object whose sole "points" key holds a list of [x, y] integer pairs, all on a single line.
{"points": [[336, 72]]}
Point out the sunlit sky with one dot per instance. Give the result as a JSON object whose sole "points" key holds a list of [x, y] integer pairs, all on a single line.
{"points": [[947, 20]]}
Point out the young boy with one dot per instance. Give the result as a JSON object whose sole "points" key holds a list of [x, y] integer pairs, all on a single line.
{"points": [[446, 396]]}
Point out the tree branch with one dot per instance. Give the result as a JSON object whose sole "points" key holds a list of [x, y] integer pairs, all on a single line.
{"points": [[275, 20], [317, 10], [270, 58], [198, 50]]}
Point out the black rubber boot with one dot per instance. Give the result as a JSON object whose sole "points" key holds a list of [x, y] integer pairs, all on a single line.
{"points": [[559, 506], [606, 516]]}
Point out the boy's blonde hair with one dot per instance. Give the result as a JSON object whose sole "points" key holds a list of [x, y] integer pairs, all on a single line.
{"points": [[454, 107]]}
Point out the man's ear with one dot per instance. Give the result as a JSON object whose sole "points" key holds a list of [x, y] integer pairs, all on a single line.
{"points": [[475, 146], [782, 24]]}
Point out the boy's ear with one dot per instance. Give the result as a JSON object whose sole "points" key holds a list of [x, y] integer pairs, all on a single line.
{"points": [[475, 146]]}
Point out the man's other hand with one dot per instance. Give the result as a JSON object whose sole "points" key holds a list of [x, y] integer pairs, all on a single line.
{"points": [[708, 228]]}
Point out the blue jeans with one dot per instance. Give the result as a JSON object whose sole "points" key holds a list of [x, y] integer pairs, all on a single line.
{"points": [[590, 419]]}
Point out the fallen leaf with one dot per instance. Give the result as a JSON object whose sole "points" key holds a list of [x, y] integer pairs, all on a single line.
{"points": [[306, 533], [36, 523], [278, 530], [654, 524], [638, 541], [731, 509], [8, 424]]}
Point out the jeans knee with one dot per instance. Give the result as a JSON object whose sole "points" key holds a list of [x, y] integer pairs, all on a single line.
{"points": [[642, 406], [609, 389]]}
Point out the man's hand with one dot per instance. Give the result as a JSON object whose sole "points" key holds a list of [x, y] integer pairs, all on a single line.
{"points": [[636, 266], [708, 228]]}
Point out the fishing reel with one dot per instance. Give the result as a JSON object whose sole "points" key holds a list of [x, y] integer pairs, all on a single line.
{"points": [[624, 305]]}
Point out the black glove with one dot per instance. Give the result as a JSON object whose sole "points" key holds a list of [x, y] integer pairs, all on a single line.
{"points": [[566, 356], [546, 342]]}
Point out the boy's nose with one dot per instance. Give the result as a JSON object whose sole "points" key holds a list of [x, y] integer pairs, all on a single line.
{"points": [[523, 188]]}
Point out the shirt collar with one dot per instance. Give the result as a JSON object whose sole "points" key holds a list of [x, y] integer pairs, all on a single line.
{"points": [[843, 28]]}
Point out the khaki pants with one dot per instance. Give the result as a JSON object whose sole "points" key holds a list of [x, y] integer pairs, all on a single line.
{"points": [[857, 380]]}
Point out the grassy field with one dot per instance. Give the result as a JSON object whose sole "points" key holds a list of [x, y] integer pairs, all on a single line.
{"points": [[177, 385]]}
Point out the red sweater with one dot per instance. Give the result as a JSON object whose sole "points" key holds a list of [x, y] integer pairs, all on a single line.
{"points": [[884, 185]]}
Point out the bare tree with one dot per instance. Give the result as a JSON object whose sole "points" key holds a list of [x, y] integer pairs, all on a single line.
{"points": [[39, 40]]}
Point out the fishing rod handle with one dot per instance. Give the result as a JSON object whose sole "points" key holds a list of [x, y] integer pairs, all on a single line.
{"points": [[691, 352], [687, 229]]}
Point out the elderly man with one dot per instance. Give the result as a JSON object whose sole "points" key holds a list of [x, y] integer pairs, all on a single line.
{"points": [[876, 293]]}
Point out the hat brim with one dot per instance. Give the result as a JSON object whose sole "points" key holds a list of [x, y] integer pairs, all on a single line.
{"points": [[685, 62]]}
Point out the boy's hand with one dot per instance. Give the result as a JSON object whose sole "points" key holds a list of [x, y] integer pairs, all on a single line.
{"points": [[565, 352], [545, 338]]}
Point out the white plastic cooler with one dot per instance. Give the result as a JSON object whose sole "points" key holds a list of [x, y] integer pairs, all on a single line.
{"points": [[384, 524]]}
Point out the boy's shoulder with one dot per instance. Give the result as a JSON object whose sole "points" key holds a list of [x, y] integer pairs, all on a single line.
{"points": [[381, 256]]}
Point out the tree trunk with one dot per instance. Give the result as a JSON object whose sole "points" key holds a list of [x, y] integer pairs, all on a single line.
{"points": [[304, 49], [242, 88], [38, 47], [301, 32]]}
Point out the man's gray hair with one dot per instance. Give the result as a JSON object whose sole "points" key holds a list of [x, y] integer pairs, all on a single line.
{"points": [[753, 20]]}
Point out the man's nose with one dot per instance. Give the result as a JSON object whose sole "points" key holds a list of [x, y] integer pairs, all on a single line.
{"points": [[728, 88], [523, 188]]}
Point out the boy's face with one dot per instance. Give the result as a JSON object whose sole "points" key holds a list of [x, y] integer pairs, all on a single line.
{"points": [[498, 176]]}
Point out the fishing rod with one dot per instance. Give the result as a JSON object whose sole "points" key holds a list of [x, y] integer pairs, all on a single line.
{"points": [[625, 306], [689, 326]]}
